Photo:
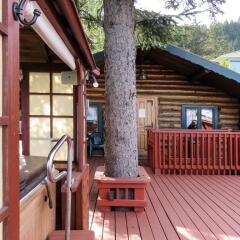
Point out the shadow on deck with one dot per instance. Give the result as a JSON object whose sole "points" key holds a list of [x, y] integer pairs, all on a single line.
{"points": [[179, 207]]}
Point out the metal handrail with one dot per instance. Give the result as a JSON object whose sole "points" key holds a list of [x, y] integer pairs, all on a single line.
{"points": [[54, 179]]}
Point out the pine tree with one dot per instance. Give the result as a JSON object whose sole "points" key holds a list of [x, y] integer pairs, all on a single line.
{"points": [[122, 25]]}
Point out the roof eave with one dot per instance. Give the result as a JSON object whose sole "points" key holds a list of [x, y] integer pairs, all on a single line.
{"points": [[68, 7], [211, 66]]}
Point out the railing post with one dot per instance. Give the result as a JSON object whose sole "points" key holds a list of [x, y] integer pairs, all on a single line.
{"points": [[169, 152], [163, 152], [202, 135], [236, 152], [214, 152], [225, 152], [174, 152], [156, 154], [220, 152], [180, 151], [208, 152], [186, 152], [230, 151]]}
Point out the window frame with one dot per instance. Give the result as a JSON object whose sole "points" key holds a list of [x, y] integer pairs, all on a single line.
{"points": [[99, 109], [26, 93], [199, 108]]}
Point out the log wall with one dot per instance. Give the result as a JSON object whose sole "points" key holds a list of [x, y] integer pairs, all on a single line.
{"points": [[174, 90]]}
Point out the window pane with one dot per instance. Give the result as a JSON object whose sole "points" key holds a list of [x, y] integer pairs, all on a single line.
{"points": [[39, 82], [40, 127], [39, 105], [40, 147], [62, 153], [207, 119], [62, 126], [92, 114], [58, 87], [235, 66], [63, 105], [192, 121]]}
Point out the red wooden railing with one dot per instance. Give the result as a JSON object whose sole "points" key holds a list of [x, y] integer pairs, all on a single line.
{"points": [[194, 151]]}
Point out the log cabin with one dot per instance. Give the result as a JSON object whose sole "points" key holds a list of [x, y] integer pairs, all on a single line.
{"points": [[43, 116], [188, 111]]}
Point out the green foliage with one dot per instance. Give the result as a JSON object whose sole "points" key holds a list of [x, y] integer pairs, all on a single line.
{"points": [[190, 37], [232, 32], [91, 14], [216, 43], [224, 62], [209, 42], [156, 29], [152, 29]]}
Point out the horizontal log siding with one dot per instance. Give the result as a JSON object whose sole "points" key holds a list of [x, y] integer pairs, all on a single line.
{"points": [[174, 90]]}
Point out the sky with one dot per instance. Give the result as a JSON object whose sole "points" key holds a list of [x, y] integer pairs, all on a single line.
{"points": [[231, 10]]}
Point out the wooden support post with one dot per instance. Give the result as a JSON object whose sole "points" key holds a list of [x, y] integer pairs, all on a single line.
{"points": [[80, 200], [81, 118], [82, 197], [80, 190]]}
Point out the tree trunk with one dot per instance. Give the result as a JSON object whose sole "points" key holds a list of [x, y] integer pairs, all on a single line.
{"points": [[120, 54]]}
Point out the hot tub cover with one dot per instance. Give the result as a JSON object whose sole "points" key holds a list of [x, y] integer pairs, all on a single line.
{"points": [[32, 172]]}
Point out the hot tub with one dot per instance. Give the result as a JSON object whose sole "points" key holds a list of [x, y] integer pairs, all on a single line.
{"points": [[32, 172], [37, 219]]}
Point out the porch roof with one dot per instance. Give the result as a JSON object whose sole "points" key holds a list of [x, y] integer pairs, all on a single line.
{"points": [[193, 66], [64, 17]]}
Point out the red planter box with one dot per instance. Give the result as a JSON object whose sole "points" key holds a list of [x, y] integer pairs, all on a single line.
{"points": [[121, 192]]}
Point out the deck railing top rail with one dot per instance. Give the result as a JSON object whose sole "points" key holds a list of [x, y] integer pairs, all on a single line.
{"points": [[181, 130]]}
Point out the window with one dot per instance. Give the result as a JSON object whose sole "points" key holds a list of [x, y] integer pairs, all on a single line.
{"points": [[50, 112], [94, 118], [92, 114], [235, 66], [199, 117]]}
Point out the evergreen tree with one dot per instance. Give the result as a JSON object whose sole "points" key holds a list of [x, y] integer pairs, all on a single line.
{"points": [[121, 24], [232, 32], [216, 43]]}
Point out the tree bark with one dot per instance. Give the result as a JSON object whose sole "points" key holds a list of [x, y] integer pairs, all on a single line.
{"points": [[120, 73]]}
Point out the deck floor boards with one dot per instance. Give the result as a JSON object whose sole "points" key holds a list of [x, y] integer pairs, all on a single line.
{"points": [[179, 207]]}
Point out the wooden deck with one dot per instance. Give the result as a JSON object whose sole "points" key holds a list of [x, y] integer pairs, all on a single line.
{"points": [[179, 207]]}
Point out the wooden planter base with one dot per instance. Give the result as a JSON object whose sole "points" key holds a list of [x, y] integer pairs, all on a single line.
{"points": [[121, 192], [75, 235]]}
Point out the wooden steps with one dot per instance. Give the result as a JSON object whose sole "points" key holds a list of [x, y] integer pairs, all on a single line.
{"points": [[75, 235]]}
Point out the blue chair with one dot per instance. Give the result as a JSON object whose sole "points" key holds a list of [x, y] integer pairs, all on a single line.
{"points": [[96, 142]]}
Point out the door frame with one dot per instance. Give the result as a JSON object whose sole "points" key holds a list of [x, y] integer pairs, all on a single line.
{"points": [[155, 101]]}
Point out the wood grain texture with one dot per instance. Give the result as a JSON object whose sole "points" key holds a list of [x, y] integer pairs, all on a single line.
{"points": [[173, 90], [179, 207], [37, 221], [194, 151], [75, 235]]}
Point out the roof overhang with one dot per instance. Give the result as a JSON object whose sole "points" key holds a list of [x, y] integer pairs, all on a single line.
{"points": [[197, 60], [63, 16], [193, 66]]}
